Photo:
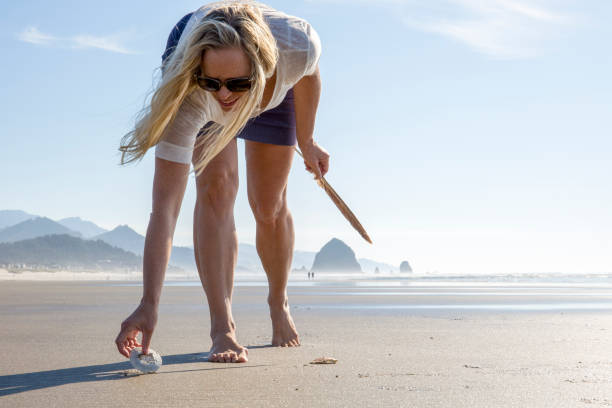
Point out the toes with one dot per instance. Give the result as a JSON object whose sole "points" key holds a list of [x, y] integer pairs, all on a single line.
{"points": [[242, 358]]}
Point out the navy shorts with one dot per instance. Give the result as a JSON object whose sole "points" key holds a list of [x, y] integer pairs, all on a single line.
{"points": [[275, 126]]}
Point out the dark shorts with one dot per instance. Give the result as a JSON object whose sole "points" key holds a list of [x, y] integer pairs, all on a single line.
{"points": [[275, 126]]}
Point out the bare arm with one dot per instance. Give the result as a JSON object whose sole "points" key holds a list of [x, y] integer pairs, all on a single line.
{"points": [[169, 185], [307, 93]]}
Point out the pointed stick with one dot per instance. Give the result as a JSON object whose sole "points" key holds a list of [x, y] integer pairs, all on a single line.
{"points": [[344, 209]]}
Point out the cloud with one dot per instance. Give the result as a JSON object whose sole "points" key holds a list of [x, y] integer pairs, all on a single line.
{"points": [[103, 43], [33, 36], [83, 41], [506, 29]]}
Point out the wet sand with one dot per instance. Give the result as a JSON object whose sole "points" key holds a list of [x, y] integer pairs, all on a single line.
{"points": [[58, 350]]}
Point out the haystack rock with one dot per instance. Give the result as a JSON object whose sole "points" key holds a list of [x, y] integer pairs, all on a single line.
{"points": [[405, 267], [336, 256]]}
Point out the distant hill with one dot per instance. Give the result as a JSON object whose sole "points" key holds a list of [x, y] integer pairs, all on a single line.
{"points": [[370, 266], [336, 256], [303, 259], [87, 228], [123, 237], [65, 251], [248, 259], [33, 228], [8, 218], [126, 238]]}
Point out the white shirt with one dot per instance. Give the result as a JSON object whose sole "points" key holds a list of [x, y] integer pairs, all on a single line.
{"points": [[299, 49]]}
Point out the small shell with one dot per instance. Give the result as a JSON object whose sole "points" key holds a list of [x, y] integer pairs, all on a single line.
{"points": [[147, 363], [324, 360]]}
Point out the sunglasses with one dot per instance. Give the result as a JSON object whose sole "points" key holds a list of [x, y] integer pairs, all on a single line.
{"points": [[232, 84]]}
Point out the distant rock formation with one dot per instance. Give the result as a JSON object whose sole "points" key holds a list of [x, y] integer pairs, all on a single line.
{"points": [[300, 270], [335, 256], [405, 267], [369, 265]]}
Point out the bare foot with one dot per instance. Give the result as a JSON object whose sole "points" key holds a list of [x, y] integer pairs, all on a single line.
{"points": [[225, 349], [284, 333]]}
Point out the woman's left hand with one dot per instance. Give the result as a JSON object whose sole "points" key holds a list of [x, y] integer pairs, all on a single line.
{"points": [[316, 159]]}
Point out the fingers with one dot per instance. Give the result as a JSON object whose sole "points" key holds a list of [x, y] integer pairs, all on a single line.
{"points": [[317, 171], [146, 341], [122, 343]]}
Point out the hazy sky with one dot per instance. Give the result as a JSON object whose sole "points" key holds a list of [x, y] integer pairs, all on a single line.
{"points": [[467, 135]]}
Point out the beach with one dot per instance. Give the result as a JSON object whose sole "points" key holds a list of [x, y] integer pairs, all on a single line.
{"points": [[416, 344]]}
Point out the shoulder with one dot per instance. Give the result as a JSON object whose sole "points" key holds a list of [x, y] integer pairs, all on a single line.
{"points": [[291, 33]]}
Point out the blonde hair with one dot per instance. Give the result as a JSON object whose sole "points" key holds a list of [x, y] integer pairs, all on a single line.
{"points": [[229, 24]]}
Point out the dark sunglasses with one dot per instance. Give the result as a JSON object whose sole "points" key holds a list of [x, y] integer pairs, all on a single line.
{"points": [[232, 84]]}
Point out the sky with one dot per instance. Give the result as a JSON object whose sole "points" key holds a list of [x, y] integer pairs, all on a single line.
{"points": [[468, 136]]}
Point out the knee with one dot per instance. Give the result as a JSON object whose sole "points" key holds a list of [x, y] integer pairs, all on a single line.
{"points": [[269, 212], [217, 193]]}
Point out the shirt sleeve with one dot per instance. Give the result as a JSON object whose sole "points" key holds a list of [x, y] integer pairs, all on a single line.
{"points": [[178, 139], [314, 50]]}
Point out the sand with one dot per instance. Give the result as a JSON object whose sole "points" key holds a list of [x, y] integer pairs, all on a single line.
{"points": [[58, 350]]}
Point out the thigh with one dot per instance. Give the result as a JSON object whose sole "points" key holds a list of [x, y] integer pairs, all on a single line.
{"points": [[221, 172], [268, 167]]}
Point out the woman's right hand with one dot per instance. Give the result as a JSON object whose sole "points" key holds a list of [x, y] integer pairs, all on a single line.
{"points": [[142, 320]]}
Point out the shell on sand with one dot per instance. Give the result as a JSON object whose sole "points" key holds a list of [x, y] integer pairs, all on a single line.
{"points": [[324, 360], [147, 363]]}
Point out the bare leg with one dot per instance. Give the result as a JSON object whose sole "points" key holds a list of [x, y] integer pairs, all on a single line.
{"points": [[216, 250], [268, 171]]}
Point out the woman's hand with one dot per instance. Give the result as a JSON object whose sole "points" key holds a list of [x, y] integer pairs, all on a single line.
{"points": [[316, 159], [142, 320]]}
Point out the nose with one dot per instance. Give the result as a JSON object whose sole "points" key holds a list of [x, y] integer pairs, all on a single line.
{"points": [[223, 93]]}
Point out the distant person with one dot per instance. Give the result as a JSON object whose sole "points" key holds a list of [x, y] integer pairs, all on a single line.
{"points": [[230, 69]]}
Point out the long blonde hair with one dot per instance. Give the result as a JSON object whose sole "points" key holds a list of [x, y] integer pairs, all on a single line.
{"points": [[229, 24]]}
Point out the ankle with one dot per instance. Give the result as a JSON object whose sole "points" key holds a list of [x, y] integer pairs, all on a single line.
{"points": [[278, 301], [222, 327]]}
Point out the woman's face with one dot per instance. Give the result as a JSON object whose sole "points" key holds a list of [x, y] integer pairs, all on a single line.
{"points": [[224, 64]]}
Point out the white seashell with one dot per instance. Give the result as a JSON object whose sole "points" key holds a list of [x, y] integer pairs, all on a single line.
{"points": [[147, 363]]}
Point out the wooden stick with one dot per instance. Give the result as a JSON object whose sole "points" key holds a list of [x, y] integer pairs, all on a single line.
{"points": [[344, 209]]}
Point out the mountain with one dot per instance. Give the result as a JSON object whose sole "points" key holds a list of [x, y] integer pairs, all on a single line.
{"points": [[67, 252], [8, 218], [32, 228], [126, 238], [123, 237], [336, 256], [86, 228]]}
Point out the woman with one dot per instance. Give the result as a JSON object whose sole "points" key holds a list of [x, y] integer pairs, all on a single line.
{"points": [[231, 69]]}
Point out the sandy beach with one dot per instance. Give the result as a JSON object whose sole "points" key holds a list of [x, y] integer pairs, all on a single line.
{"points": [[396, 347]]}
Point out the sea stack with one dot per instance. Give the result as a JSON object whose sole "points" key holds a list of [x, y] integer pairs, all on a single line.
{"points": [[336, 256], [405, 267]]}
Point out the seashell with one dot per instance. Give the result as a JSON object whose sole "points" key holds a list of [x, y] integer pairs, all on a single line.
{"points": [[147, 363], [324, 360]]}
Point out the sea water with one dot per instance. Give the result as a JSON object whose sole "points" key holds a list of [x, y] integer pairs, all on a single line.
{"points": [[421, 293]]}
